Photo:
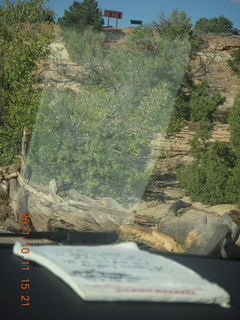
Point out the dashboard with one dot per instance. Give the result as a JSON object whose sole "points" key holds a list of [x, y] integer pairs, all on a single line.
{"points": [[33, 292]]}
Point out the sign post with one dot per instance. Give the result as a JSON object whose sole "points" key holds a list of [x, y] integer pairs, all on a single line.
{"points": [[113, 14], [136, 21]]}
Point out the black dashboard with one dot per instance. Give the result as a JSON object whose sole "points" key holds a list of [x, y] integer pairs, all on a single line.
{"points": [[36, 293]]}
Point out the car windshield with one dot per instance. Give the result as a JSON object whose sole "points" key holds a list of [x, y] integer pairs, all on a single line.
{"points": [[122, 120]]}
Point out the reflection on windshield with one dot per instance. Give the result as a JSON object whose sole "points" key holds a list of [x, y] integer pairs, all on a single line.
{"points": [[134, 135], [98, 134]]}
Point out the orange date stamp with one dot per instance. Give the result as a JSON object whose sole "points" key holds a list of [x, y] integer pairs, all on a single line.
{"points": [[25, 284]]}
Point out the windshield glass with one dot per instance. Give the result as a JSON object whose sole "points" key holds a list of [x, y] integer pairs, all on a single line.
{"points": [[122, 119]]}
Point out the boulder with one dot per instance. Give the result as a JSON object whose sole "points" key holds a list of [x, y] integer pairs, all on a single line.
{"points": [[202, 233], [214, 242], [175, 208]]}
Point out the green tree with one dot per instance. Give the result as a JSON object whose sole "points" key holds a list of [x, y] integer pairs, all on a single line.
{"points": [[81, 15], [21, 49], [215, 25]]}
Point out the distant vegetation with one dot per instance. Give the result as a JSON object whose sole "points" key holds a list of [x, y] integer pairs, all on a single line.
{"points": [[215, 25]]}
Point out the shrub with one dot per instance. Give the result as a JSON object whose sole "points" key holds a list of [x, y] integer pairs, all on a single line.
{"points": [[194, 103], [234, 126], [177, 25], [21, 50], [101, 138], [98, 140], [234, 62], [214, 175], [202, 104], [205, 179], [233, 186]]}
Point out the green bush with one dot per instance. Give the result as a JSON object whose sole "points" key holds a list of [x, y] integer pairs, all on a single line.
{"points": [[177, 25], [202, 104], [87, 43], [233, 186], [214, 175], [98, 140], [21, 50], [234, 62], [205, 179], [195, 103], [101, 138], [234, 126]]}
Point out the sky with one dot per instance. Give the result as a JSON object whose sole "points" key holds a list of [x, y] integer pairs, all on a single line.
{"points": [[148, 10]]}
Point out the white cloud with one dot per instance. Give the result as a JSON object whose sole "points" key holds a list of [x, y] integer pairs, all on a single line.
{"points": [[235, 1]]}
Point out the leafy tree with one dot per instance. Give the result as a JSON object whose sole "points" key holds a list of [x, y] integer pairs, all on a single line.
{"points": [[81, 15], [215, 25], [21, 49], [234, 62]]}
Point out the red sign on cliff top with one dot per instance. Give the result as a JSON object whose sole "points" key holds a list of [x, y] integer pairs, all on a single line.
{"points": [[113, 14]]}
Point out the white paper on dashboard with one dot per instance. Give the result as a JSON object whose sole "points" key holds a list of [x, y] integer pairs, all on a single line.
{"points": [[123, 272]]}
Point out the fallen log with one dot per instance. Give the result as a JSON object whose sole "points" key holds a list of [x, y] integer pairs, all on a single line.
{"points": [[152, 238], [50, 212]]}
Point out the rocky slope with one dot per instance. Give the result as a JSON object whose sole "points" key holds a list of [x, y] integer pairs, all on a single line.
{"points": [[210, 63]]}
